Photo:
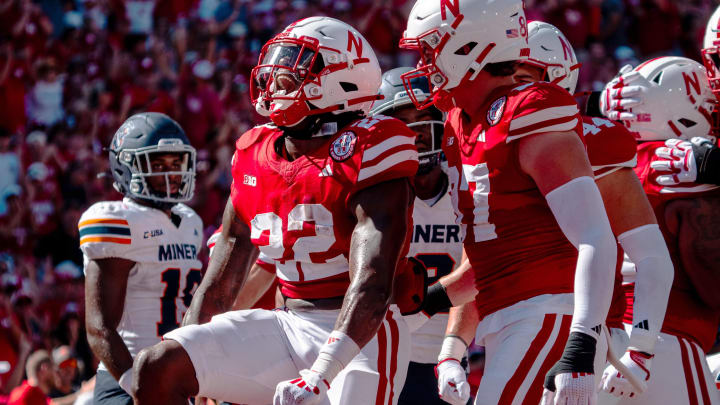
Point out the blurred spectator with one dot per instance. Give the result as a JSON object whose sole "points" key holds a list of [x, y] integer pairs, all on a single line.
{"points": [[200, 112], [46, 97], [10, 169], [656, 27], [40, 381], [14, 75]]}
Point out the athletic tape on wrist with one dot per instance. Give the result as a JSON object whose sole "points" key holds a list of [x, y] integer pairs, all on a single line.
{"points": [[453, 347], [126, 381], [337, 352]]}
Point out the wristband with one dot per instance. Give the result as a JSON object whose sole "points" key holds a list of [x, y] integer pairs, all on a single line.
{"points": [[436, 299], [579, 354], [707, 158], [126, 381], [335, 355], [592, 105], [453, 347]]}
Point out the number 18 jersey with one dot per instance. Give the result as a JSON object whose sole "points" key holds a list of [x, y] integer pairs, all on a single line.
{"points": [[513, 242], [166, 271]]}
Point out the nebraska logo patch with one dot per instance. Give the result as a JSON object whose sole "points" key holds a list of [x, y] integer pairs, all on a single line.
{"points": [[343, 147], [496, 110]]}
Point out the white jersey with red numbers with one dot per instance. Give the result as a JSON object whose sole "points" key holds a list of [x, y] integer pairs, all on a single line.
{"points": [[298, 211], [435, 242], [512, 239], [610, 147], [524, 265], [166, 271]]}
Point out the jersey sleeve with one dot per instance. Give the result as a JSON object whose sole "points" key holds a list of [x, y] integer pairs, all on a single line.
{"points": [[543, 107], [388, 152], [106, 231], [610, 146]]}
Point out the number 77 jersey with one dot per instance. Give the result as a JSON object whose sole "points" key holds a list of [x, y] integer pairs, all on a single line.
{"points": [[166, 271], [513, 242], [299, 211]]}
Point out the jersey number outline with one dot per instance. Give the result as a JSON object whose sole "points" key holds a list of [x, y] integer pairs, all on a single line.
{"points": [[168, 305]]}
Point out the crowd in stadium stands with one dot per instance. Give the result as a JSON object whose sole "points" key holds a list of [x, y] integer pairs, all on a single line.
{"points": [[72, 70]]}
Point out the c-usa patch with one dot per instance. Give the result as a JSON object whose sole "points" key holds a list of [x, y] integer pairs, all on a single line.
{"points": [[496, 110], [343, 147]]}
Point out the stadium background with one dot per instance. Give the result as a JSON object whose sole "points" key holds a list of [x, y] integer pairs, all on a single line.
{"points": [[71, 71]]}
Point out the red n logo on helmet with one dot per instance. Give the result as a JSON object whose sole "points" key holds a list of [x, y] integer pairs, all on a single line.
{"points": [[452, 5], [357, 43], [694, 81], [567, 50]]}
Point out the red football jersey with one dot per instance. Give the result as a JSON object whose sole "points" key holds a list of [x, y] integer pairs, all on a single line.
{"points": [[686, 315], [610, 147], [298, 211], [515, 246]]}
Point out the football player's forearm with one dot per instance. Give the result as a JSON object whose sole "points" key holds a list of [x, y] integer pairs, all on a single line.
{"points": [[460, 284], [258, 282], [109, 348], [463, 321]]}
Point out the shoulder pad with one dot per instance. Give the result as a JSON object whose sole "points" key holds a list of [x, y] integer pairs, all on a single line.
{"points": [[254, 135], [541, 107], [105, 229]]}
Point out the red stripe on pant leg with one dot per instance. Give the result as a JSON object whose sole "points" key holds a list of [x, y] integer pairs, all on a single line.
{"points": [[534, 394], [382, 353], [511, 387], [394, 342], [687, 370], [700, 373]]}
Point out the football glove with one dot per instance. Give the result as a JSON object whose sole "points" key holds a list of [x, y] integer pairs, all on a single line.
{"points": [[452, 382], [410, 285], [571, 380], [309, 389], [623, 93], [615, 383]]}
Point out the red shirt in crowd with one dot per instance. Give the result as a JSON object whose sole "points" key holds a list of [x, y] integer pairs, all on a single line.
{"points": [[26, 394]]}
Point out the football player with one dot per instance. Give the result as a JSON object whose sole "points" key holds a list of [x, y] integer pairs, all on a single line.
{"points": [[536, 228], [435, 235], [140, 254], [310, 191], [656, 112]]}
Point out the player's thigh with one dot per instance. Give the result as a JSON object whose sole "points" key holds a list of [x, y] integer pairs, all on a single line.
{"points": [[377, 374], [108, 392], [518, 356], [238, 356], [421, 386]]}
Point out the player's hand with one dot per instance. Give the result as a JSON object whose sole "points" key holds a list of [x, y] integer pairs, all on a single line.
{"points": [[452, 382], [623, 93], [615, 383], [570, 388], [308, 389], [410, 285], [677, 159]]}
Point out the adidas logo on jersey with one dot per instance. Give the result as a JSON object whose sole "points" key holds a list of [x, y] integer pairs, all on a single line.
{"points": [[596, 329], [326, 172], [642, 325]]}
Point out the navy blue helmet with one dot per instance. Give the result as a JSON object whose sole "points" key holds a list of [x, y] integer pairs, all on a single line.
{"points": [[395, 97], [132, 146]]}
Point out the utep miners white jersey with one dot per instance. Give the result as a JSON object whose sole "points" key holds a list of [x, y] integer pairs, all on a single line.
{"points": [[686, 316], [298, 210], [166, 271], [513, 241], [610, 147], [435, 242]]}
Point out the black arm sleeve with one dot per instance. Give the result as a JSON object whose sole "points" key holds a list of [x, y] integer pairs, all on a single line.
{"points": [[707, 158]]}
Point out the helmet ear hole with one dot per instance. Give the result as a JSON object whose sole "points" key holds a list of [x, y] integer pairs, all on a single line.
{"points": [[348, 87], [466, 49], [658, 78], [687, 123]]}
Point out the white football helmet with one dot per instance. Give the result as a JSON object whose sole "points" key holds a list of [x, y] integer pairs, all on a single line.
{"points": [[551, 51], [711, 51], [457, 38], [316, 65], [676, 100]]}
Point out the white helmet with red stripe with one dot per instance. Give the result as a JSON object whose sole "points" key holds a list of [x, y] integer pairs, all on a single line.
{"points": [[676, 100], [711, 51], [551, 51], [316, 65], [457, 38]]}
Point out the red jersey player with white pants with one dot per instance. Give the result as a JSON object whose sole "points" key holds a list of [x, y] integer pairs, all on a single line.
{"points": [[648, 101], [536, 233], [312, 193], [611, 150]]}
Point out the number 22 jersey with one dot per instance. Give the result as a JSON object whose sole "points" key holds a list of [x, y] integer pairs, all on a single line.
{"points": [[299, 211], [166, 272]]}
